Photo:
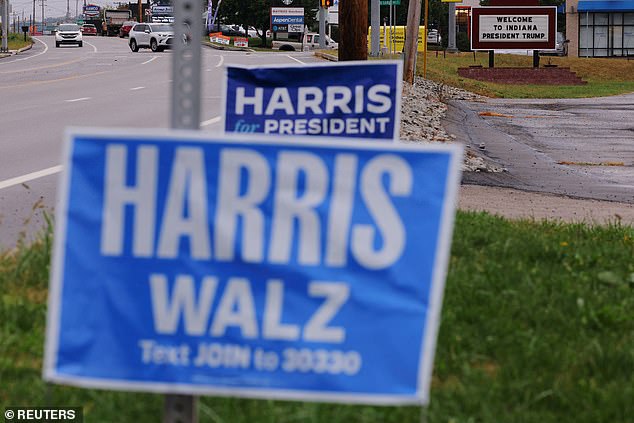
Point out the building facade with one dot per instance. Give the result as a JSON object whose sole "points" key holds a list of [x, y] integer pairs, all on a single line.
{"points": [[600, 28]]}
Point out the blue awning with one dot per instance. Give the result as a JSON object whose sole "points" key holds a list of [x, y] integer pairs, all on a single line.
{"points": [[606, 6]]}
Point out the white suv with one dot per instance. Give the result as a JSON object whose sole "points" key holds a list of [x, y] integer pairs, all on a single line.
{"points": [[155, 36], [68, 34]]}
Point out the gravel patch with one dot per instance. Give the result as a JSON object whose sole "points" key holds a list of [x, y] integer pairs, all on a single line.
{"points": [[422, 110]]}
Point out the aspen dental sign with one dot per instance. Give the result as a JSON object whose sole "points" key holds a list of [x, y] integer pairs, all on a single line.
{"points": [[255, 267], [351, 99], [513, 28]]}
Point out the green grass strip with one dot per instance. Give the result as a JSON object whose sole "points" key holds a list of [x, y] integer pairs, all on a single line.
{"points": [[537, 326]]}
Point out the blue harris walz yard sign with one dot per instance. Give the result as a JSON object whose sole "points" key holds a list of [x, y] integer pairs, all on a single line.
{"points": [[255, 267], [351, 99]]}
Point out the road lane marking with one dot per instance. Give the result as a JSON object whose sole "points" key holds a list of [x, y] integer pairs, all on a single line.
{"points": [[56, 169], [35, 55], [92, 45], [30, 177], [77, 99], [211, 121], [136, 88], [151, 60], [222, 60], [297, 60]]}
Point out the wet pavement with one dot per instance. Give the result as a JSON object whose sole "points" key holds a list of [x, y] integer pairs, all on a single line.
{"points": [[577, 147]]}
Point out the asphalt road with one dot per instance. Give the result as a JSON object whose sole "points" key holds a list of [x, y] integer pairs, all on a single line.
{"points": [[582, 148], [103, 84]]}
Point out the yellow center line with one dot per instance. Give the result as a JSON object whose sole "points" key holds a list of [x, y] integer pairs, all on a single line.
{"points": [[29, 84], [70, 62]]}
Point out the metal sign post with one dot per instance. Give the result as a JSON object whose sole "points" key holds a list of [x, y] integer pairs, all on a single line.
{"points": [[185, 114], [186, 62]]}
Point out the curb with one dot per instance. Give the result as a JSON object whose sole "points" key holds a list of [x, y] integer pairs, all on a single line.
{"points": [[12, 52], [326, 56], [25, 48]]}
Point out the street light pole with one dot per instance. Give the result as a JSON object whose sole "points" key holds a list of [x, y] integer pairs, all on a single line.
{"points": [[451, 44], [375, 22], [4, 6]]}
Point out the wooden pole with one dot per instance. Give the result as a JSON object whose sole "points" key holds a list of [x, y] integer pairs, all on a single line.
{"points": [[425, 35], [411, 40], [353, 25]]}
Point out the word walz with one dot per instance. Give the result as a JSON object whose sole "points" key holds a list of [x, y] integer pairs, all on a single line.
{"points": [[236, 308], [276, 207]]}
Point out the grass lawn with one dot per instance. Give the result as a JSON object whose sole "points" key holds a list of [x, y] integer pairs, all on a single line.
{"points": [[537, 326], [16, 41], [604, 76]]}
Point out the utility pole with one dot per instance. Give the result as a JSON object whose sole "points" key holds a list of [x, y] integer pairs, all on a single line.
{"points": [[451, 41], [425, 35], [43, 16], [4, 6], [33, 21], [411, 40], [353, 25], [375, 23]]}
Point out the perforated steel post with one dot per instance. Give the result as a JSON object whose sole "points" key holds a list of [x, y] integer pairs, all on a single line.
{"points": [[185, 114], [186, 64]]}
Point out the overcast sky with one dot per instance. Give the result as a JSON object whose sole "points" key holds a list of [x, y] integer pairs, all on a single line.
{"points": [[52, 8]]}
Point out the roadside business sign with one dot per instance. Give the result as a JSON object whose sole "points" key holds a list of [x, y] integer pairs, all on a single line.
{"points": [[494, 28], [396, 36], [217, 37], [280, 28], [288, 16], [246, 266], [344, 99], [162, 10], [91, 10], [241, 42]]}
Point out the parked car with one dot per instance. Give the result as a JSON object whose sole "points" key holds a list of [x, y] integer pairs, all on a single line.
{"points": [[155, 36], [561, 46], [252, 32], [312, 39], [231, 31], [68, 34], [433, 37], [124, 31], [88, 29], [311, 42]]}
